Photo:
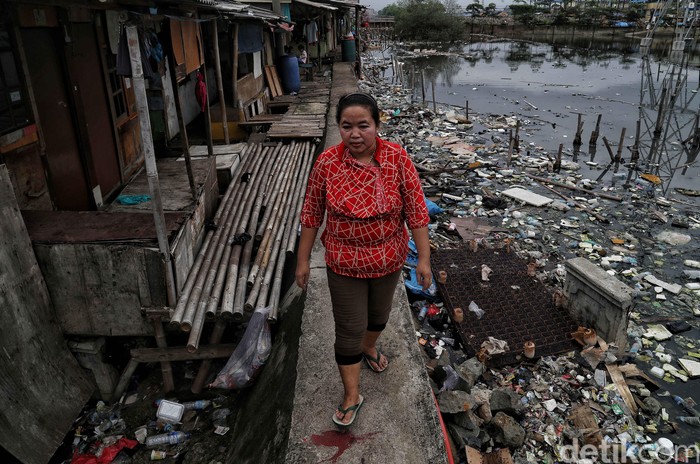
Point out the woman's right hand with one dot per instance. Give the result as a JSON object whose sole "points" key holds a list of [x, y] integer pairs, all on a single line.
{"points": [[302, 274]]}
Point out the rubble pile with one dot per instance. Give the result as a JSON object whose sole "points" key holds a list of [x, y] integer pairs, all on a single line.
{"points": [[487, 187]]}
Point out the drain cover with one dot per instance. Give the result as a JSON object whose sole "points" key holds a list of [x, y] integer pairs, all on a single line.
{"points": [[518, 308]]}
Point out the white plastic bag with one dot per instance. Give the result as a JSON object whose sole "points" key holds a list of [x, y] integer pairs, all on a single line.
{"points": [[249, 356]]}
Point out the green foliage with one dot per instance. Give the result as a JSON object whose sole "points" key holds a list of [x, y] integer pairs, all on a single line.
{"points": [[476, 9], [389, 10], [428, 20]]}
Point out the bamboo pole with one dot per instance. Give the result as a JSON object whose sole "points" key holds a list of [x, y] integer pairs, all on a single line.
{"points": [[300, 203], [211, 260], [289, 224], [269, 250], [263, 233], [432, 87], [225, 208], [268, 211], [220, 81], [422, 86], [298, 198], [200, 313], [150, 160], [234, 293]]}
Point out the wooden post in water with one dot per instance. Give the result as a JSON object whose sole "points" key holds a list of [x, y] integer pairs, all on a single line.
{"points": [[432, 87], [618, 155], [466, 110], [422, 85], [510, 148], [557, 163], [594, 135], [516, 140], [579, 128]]}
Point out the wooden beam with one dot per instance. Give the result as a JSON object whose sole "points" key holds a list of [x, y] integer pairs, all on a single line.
{"points": [[180, 353]]}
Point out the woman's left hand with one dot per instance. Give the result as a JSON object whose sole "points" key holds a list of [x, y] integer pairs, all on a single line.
{"points": [[424, 274]]}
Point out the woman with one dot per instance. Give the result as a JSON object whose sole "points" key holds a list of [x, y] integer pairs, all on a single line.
{"points": [[369, 189]]}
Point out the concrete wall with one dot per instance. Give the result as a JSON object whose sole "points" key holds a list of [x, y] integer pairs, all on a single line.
{"points": [[598, 300]]}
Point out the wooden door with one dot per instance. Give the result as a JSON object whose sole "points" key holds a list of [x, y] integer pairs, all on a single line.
{"points": [[94, 118], [66, 170]]}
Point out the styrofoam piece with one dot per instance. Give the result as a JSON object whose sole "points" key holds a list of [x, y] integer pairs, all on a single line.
{"points": [[691, 367], [531, 198], [170, 411]]}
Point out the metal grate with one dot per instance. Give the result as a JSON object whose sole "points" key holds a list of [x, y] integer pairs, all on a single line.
{"points": [[518, 308]]}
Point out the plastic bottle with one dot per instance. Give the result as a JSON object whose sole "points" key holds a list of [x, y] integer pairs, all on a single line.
{"points": [[690, 420], [198, 405], [682, 403], [171, 438]]}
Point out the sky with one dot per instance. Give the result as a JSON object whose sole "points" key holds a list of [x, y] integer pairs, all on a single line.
{"points": [[379, 4]]}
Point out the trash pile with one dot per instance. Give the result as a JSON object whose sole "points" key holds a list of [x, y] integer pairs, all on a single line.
{"points": [[484, 186], [188, 431]]}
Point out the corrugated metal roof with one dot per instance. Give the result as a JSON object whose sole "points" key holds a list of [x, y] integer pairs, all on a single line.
{"points": [[242, 10], [321, 6]]}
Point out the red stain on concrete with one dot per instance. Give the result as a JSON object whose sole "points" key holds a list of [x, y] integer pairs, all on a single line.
{"points": [[341, 440]]}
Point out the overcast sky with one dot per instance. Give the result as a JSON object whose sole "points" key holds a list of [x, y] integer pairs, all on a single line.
{"points": [[379, 4]]}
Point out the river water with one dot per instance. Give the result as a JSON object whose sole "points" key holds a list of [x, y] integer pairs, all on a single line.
{"points": [[548, 85]]}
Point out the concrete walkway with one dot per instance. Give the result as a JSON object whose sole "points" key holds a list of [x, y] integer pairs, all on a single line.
{"points": [[399, 420]]}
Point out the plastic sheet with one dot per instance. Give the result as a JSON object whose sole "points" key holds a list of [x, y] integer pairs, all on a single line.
{"points": [[250, 355]]}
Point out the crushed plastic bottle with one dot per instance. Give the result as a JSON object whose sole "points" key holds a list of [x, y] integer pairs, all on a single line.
{"points": [[197, 405], [682, 403], [690, 420], [171, 438]]}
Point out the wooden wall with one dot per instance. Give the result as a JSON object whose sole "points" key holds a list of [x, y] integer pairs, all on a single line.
{"points": [[42, 388]]}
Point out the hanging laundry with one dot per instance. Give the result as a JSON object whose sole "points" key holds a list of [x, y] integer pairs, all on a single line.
{"points": [[311, 32], [200, 91]]}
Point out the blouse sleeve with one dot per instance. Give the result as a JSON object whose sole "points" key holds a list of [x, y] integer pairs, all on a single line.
{"points": [[414, 208], [315, 200]]}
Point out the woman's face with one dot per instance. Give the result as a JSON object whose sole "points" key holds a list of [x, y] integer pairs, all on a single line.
{"points": [[358, 130]]}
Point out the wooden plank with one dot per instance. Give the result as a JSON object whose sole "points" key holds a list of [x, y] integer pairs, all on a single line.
{"points": [[270, 82], [585, 420], [276, 80], [98, 289], [43, 388], [622, 387], [177, 353]]}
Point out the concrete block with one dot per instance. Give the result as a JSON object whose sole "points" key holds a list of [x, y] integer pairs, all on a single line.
{"points": [[598, 300], [89, 354]]}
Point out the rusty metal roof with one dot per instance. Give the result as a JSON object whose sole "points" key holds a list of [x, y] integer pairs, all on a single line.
{"points": [[518, 308]]}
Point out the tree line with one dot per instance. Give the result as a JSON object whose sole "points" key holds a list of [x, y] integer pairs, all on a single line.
{"points": [[444, 20]]}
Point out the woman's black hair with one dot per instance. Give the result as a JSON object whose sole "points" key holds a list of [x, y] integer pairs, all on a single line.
{"points": [[358, 99]]}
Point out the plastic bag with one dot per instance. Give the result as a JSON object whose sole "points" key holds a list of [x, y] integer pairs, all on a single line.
{"points": [[414, 287], [473, 307], [249, 356], [433, 209], [412, 257]]}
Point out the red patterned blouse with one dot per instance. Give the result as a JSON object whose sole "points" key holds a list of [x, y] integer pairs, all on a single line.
{"points": [[367, 206]]}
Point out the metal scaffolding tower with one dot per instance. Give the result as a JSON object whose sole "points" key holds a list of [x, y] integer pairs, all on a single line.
{"points": [[668, 129]]}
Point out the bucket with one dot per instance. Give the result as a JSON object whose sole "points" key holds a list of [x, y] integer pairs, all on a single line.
{"points": [[348, 49], [289, 73]]}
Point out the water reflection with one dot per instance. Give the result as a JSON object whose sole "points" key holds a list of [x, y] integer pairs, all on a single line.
{"points": [[549, 85]]}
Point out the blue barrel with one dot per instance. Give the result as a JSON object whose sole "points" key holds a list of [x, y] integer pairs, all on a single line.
{"points": [[348, 49], [289, 73]]}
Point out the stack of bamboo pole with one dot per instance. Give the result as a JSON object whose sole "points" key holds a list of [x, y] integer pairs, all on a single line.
{"points": [[240, 264]]}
